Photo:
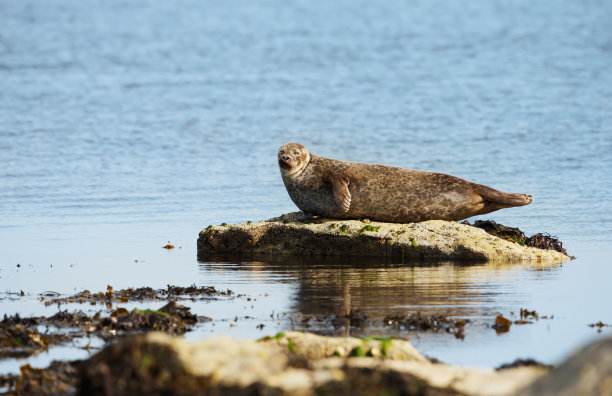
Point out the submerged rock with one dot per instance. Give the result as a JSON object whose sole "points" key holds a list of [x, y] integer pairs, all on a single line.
{"points": [[286, 364], [435, 239]]}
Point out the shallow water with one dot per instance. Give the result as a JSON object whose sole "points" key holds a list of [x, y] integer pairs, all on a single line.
{"points": [[127, 124]]}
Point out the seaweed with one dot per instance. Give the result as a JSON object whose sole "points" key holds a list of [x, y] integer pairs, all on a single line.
{"points": [[502, 324], [526, 314], [540, 240], [385, 343], [546, 241], [599, 325], [435, 323], [523, 363], [501, 231], [356, 318], [291, 345], [357, 351], [138, 294]]}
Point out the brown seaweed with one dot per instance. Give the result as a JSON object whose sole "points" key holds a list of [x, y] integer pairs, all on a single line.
{"points": [[136, 294], [546, 241], [540, 240], [435, 323], [523, 363]]}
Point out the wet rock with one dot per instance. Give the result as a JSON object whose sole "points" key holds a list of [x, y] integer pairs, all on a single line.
{"points": [[502, 324], [20, 337], [172, 318], [65, 318], [286, 364], [435, 239], [60, 378], [587, 372], [180, 311]]}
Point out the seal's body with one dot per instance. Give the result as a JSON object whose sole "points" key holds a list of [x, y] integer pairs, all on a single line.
{"points": [[351, 190]]}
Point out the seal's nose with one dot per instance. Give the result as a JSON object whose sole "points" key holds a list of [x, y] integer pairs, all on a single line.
{"points": [[285, 158]]}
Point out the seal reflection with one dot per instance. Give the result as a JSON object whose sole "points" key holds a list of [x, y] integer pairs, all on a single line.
{"points": [[352, 296]]}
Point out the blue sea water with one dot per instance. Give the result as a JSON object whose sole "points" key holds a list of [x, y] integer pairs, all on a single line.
{"points": [[125, 124]]}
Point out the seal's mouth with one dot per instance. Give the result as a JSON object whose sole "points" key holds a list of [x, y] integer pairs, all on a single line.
{"points": [[283, 164]]}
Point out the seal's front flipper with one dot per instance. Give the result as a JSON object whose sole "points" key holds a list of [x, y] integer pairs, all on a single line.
{"points": [[309, 216], [342, 195]]}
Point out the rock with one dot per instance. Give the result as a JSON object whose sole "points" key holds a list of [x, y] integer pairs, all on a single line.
{"points": [[435, 239], [314, 347], [587, 372], [290, 363]]}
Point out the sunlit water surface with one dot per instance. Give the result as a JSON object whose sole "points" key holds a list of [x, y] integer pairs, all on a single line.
{"points": [[127, 124]]}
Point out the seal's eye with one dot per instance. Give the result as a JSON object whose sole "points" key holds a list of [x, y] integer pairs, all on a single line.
{"points": [[296, 152], [282, 152]]}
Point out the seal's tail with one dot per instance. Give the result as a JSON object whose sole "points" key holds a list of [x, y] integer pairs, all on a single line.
{"points": [[501, 199]]}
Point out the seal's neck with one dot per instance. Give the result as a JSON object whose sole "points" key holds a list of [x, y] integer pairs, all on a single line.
{"points": [[293, 173]]}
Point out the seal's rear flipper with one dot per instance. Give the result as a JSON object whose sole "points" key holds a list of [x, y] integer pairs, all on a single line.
{"points": [[501, 199]]}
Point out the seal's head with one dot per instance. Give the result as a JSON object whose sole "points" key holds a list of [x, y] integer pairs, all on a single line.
{"points": [[293, 158]]}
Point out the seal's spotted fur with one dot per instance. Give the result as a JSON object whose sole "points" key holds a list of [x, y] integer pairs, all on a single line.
{"points": [[351, 190]]}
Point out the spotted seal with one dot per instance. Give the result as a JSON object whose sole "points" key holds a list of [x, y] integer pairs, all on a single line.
{"points": [[352, 190]]}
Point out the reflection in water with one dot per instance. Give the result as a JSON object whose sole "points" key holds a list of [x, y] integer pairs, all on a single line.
{"points": [[333, 287]]}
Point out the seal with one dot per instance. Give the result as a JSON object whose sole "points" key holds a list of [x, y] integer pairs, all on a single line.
{"points": [[352, 190]]}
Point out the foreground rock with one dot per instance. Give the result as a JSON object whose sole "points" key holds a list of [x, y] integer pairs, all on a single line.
{"points": [[287, 364], [587, 372], [434, 239]]}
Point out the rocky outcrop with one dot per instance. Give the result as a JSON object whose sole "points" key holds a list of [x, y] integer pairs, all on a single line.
{"points": [[434, 239], [286, 364]]}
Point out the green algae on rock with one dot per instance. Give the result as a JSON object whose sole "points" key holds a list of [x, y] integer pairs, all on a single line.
{"points": [[435, 239]]}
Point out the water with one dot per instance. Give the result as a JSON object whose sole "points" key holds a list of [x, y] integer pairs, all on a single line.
{"points": [[127, 124]]}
